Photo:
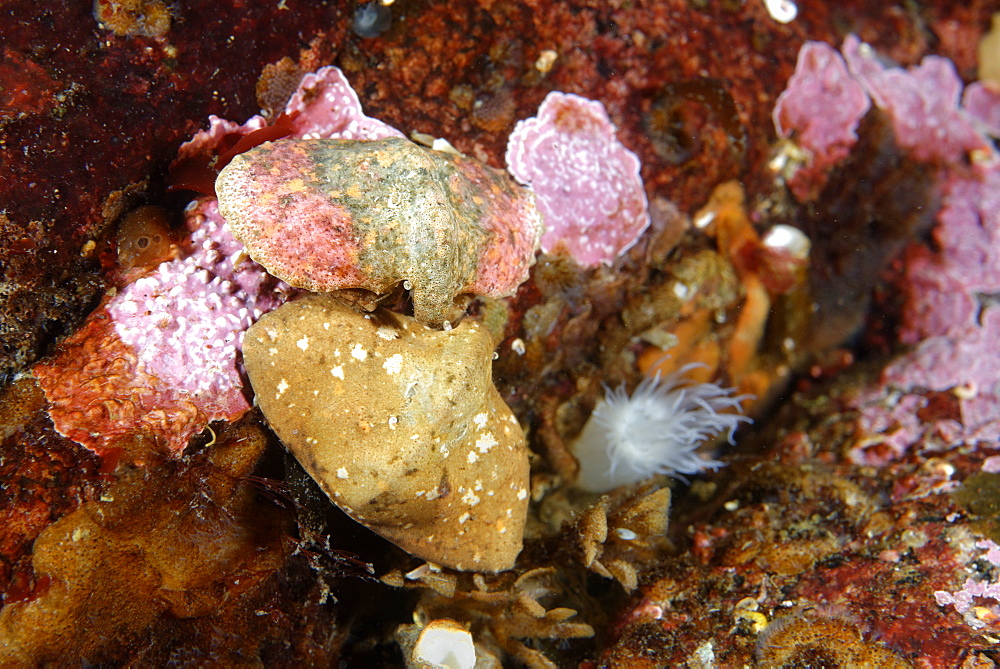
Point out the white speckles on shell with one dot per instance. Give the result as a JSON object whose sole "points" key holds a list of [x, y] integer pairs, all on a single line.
{"points": [[393, 363], [485, 442], [390, 415], [387, 333]]}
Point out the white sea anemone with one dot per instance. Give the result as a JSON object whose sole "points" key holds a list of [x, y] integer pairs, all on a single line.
{"points": [[655, 431]]}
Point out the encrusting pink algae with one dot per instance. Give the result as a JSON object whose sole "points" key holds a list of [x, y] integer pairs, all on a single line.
{"points": [[585, 181], [161, 357]]}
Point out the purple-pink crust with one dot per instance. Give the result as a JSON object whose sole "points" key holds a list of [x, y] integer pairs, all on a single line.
{"points": [[949, 316], [932, 121], [978, 586], [162, 357], [953, 323], [586, 183], [326, 107], [981, 101], [822, 104], [922, 103], [323, 106], [953, 326]]}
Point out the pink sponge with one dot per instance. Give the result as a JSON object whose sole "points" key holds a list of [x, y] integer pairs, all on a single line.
{"points": [[586, 183]]}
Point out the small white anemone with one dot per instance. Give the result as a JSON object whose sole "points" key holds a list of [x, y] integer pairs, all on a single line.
{"points": [[655, 431]]}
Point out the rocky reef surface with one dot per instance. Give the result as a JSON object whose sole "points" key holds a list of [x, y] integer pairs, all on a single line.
{"points": [[787, 210]]}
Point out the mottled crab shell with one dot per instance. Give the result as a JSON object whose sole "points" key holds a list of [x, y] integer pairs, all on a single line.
{"points": [[331, 214], [399, 423]]}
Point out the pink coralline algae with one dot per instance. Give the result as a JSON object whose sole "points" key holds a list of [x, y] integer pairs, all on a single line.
{"points": [[922, 102], [828, 95], [943, 286], [586, 183], [953, 326], [965, 600], [162, 357], [948, 316], [324, 106], [822, 104], [981, 101]]}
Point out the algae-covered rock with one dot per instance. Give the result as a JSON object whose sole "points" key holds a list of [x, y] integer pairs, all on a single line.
{"points": [[335, 214]]}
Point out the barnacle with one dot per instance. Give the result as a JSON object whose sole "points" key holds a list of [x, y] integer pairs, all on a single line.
{"points": [[500, 610]]}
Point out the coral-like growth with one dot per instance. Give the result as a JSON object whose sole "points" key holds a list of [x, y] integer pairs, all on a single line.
{"points": [[964, 365], [953, 324], [943, 287], [948, 314], [586, 183], [964, 600], [211, 296], [922, 103], [325, 106], [655, 431], [161, 357], [828, 95], [981, 101], [822, 104]]}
